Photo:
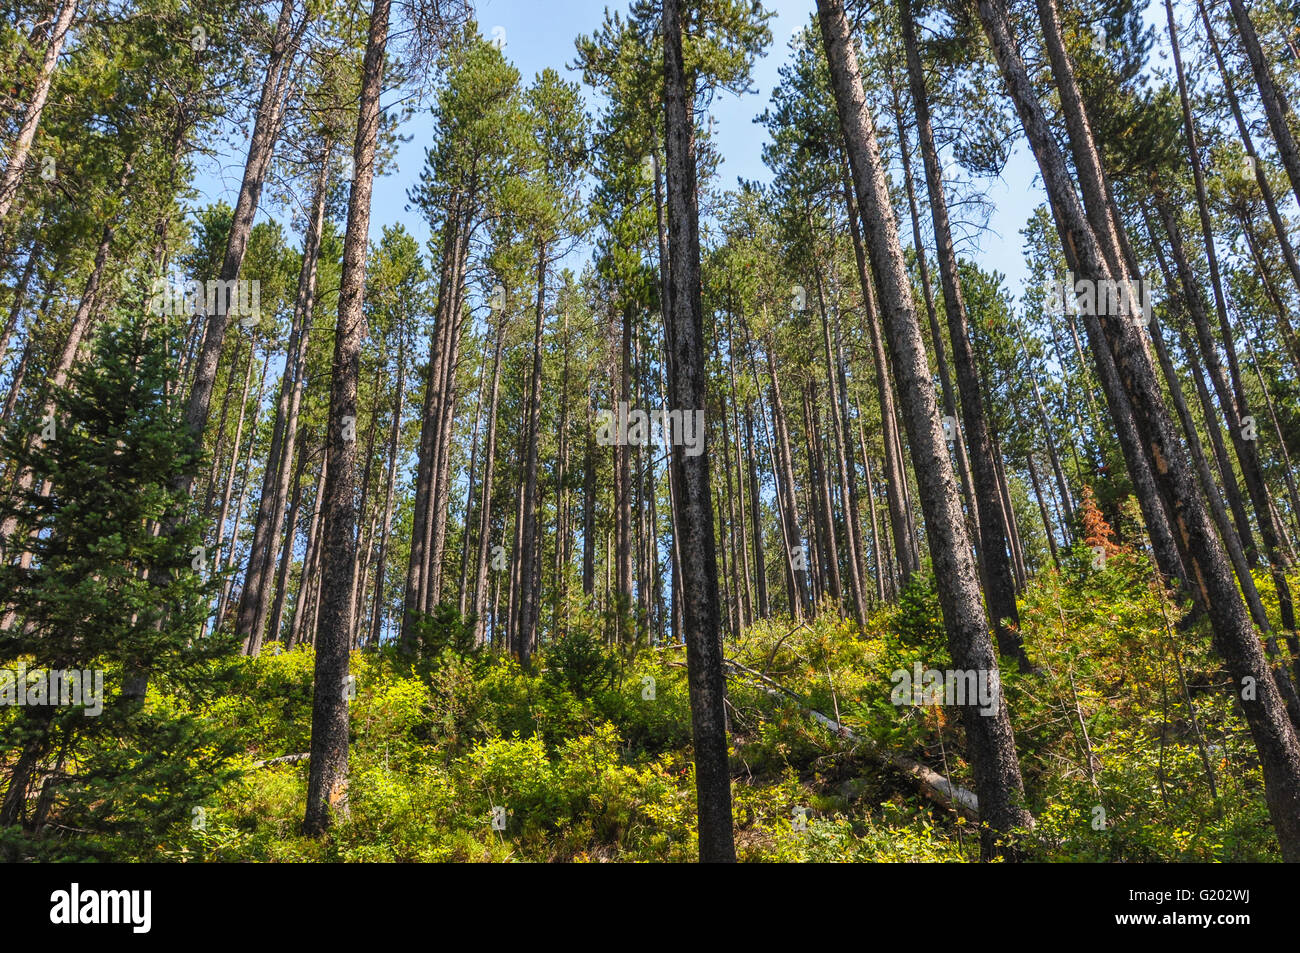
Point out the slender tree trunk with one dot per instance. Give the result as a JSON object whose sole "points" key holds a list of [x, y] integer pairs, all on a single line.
{"points": [[756, 509], [224, 553], [485, 505], [1270, 531], [958, 441], [366, 534], [422, 522], [229, 551], [1276, 107], [1042, 509], [739, 566], [1231, 540], [796, 551], [1201, 550], [528, 600], [990, 741], [1258, 256], [694, 508], [623, 488], [255, 600], [266, 130], [740, 523], [462, 602], [995, 527], [904, 542], [1098, 208], [882, 570], [842, 459], [1287, 470], [588, 504], [1256, 164], [1247, 454], [328, 775], [281, 585], [819, 487], [20, 299], [22, 144], [303, 604], [1052, 456], [442, 471], [386, 521], [1009, 517]]}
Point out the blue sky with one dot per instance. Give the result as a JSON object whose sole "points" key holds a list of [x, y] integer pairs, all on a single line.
{"points": [[541, 33]]}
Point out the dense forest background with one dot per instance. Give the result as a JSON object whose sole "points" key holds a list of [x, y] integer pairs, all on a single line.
{"points": [[634, 515]]}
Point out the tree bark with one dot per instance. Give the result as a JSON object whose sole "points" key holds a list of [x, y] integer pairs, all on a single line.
{"points": [[990, 741], [904, 542], [995, 530], [1200, 547], [328, 778], [687, 386], [255, 600], [22, 144]]}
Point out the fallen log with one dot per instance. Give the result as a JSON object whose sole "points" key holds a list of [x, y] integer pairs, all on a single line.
{"points": [[932, 784], [283, 759]]}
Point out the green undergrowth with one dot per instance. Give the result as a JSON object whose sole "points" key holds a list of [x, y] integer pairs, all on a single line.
{"points": [[587, 756]]}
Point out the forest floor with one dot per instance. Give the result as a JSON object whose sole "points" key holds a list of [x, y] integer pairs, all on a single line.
{"points": [[587, 757]]}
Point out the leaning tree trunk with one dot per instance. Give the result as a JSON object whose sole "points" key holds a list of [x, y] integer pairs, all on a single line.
{"points": [[20, 299], [1276, 107], [1233, 402], [843, 459], [1098, 209], [990, 740], [1257, 166], [22, 145], [894, 475], [995, 531], [266, 130], [1247, 456], [1231, 539], [1201, 550], [936, 334]]}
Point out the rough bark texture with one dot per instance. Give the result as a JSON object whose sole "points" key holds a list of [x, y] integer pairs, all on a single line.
{"points": [[328, 778], [22, 145], [1276, 107], [990, 741], [1234, 636], [687, 386], [255, 600], [1000, 588]]}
